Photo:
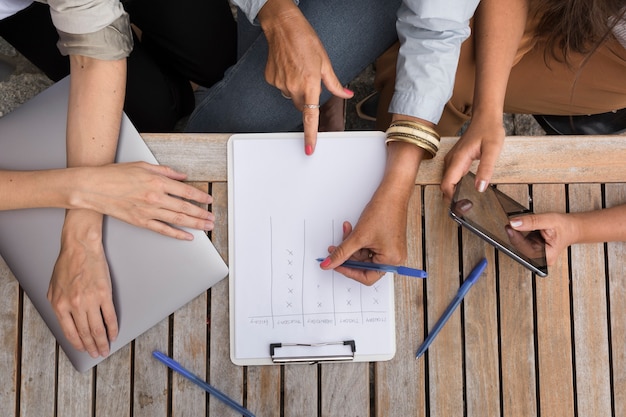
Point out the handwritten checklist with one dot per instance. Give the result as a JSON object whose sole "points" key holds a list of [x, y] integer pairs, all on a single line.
{"points": [[285, 210]]}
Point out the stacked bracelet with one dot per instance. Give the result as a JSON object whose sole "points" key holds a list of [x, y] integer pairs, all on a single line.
{"points": [[415, 133]]}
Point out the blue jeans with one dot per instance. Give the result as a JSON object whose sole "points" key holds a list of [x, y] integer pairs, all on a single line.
{"points": [[354, 33]]}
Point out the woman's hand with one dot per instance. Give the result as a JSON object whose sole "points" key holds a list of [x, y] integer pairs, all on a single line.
{"points": [[558, 230], [298, 63], [380, 234], [80, 288], [482, 141], [144, 195]]}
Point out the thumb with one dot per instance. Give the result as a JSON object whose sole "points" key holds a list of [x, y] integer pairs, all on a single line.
{"points": [[339, 254], [488, 158], [528, 222], [334, 86]]}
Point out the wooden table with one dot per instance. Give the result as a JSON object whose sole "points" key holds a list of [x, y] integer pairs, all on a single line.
{"points": [[519, 346]]}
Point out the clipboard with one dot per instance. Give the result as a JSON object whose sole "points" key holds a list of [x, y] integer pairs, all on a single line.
{"points": [[285, 209]]}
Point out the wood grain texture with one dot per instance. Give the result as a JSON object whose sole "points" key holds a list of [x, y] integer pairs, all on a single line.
{"points": [[444, 357], [9, 337], [74, 390], [616, 253], [480, 318], [223, 374], [536, 159], [404, 374], [517, 347], [301, 393], [189, 347], [554, 327], [589, 302], [113, 385], [345, 389], [150, 393], [37, 390]]}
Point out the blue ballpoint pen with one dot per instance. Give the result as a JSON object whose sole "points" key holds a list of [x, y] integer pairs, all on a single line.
{"points": [[402, 270], [467, 284], [201, 383]]}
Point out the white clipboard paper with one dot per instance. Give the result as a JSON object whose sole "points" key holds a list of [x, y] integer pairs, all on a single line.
{"points": [[285, 209]]}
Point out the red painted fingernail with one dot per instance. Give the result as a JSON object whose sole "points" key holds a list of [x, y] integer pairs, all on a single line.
{"points": [[325, 262], [308, 149], [348, 91]]}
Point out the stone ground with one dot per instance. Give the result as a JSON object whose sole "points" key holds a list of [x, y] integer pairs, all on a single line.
{"points": [[20, 80]]}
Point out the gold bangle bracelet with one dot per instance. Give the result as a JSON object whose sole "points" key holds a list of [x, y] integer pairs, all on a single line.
{"points": [[414, 133], [415, 125], [427, 146]]}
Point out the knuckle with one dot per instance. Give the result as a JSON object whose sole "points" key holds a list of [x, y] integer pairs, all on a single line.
{"points": [[152, 197], [98, 331], [178, 218]]}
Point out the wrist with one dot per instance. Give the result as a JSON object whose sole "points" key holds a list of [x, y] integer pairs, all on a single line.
{"points": [[403, 160], [77, 182], [82, 225], [488, 112], [275, 11]]}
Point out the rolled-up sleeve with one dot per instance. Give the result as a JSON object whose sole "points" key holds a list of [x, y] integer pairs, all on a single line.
{"points": [[431, 33], [95, 28], [251, 7]]}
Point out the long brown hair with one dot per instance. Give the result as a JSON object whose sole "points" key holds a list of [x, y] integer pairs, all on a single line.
{"points": [[576, 26]]}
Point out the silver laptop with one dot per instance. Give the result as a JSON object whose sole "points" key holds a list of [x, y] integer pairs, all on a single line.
{"points": [[152, 275]]}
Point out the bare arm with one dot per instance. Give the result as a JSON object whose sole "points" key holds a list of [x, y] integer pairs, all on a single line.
{"points": [[80, 288], [561, 230], [499, 26], [380, 233]]}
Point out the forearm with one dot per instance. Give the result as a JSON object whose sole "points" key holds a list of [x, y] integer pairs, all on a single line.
{"points": [[97, 90], [47, 188], [608, 225], [403, 161], [498, 29], [95, 106]]}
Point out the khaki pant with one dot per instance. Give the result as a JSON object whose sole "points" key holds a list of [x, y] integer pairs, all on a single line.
{"points": [[533, 87]]}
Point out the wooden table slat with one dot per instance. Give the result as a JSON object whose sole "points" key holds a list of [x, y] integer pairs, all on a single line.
{"points": [[523, 158], [616, 253], [554, 330], [444, 357], [404, 370], [593, 385], [517, 329]]}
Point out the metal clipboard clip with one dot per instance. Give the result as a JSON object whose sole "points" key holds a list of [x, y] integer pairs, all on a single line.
{"points": [[312, 352]]}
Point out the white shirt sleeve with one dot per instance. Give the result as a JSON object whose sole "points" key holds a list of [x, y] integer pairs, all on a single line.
{"points": [[619, 31], [94, 28], [84, 16], [431, 33], [251, 7], [10, 7]]}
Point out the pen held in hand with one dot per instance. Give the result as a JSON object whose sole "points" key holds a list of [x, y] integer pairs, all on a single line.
{"points": [[401, 270], [467, 284]]}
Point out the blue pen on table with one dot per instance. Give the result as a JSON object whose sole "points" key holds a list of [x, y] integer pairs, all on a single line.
{"points": [[402, 270], [467, 284], [201, 383]]}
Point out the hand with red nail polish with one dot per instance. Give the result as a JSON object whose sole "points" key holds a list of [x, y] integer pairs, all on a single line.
{"points": [[298, 64], [380, 233]]}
